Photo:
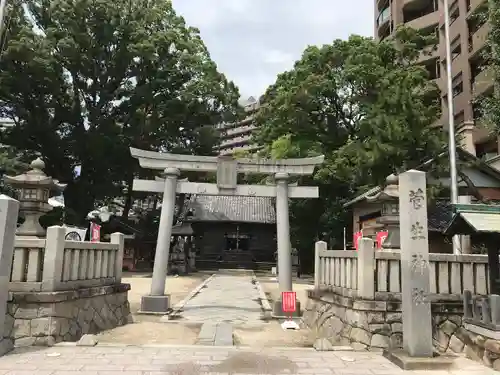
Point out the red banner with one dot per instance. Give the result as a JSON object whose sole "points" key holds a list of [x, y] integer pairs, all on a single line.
{"points": [[357, 236], [288, 302], [95, 232], [381, 237]]}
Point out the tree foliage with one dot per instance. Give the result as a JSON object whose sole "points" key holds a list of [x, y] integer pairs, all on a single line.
{"points": [[84, 80], [367, 106], [490, 110]]}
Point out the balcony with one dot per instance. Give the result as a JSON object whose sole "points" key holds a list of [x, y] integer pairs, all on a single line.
{"points": [[415, 3], [473, 6], [482, 83], [478, 39], [235, 141], [247, 148], [238, 130], [423, 22], [428, 53]]}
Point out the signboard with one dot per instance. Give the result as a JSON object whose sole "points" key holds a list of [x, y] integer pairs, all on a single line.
{"points": [[75, 233], [356, 237], [288, 302], [381, 237], [95, 232]]}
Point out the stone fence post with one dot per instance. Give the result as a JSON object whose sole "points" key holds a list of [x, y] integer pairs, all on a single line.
{"points": [[53, 258], [9, 210], [119, 239], [319, 246], [366, 269]]}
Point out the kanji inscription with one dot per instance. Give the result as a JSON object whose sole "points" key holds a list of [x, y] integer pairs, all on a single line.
{"points": [[417, 231], [417, 198], [418, 263], [418, 296]]}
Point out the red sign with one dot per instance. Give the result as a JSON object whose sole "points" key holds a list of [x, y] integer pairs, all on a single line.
{"points": [[381, 237], [288, 302], [95, 232], [357, 236]]}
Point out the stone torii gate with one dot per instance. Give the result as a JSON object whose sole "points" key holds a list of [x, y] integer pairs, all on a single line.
{"points": [[227, 169]]}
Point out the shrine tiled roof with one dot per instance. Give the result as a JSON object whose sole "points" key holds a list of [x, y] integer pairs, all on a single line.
{"points": [[231, 208]]}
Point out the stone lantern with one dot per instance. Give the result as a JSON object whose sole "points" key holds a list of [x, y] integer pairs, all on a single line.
{"points": [[389, 219], [34, 189]]}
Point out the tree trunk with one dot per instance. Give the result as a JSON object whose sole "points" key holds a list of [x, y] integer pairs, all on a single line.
{"points": [[128, 196]]}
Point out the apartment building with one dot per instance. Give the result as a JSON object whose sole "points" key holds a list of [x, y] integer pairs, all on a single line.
{"points": [[471, 81], [237, 136]]}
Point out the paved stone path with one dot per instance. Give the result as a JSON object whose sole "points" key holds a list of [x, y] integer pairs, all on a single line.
{"points": [[226, 298], [199, 360]]}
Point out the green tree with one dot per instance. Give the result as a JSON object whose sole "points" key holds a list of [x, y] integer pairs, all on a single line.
{"points": [[85, 80], [489, 108], [367, 106], [10, 165]]}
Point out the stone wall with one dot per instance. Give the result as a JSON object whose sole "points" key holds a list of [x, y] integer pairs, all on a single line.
{"points": [[51, 317], [377, 325]]}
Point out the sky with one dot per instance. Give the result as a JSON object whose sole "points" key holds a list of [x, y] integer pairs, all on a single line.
{"points": [[254, 40]]}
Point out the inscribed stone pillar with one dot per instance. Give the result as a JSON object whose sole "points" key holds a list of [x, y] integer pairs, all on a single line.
{"points": [[9, 209], [157, 301], [417, 325]]}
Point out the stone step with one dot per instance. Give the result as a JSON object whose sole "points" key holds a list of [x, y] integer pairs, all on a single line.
{"points": [[216, 334]]}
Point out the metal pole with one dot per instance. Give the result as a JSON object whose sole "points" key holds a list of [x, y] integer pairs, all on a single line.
{"points": [[3, 6], [451, 121]]}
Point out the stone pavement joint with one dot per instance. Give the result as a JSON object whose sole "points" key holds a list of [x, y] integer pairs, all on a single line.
{"points": [[215, 334], [200, 360]]}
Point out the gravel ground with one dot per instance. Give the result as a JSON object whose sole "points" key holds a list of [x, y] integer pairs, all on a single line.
{"points": [[147, 329], [271, 334]]}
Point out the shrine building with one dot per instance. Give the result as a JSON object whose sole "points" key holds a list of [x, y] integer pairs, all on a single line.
{"points": [[232, 231]]}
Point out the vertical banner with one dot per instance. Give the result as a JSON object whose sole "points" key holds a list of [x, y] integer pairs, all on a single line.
{"points": [[288, 302], [95, 232], [381, 237], [356, 237]]}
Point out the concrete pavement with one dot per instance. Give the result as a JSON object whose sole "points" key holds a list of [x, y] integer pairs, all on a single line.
{"points": [[200, 360]]}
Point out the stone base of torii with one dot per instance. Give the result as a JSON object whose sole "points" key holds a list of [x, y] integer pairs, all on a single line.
{"points": [[227, 168]]}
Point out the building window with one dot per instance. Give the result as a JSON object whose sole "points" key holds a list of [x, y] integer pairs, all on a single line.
{"points": [[459, 118], [434, 69], [467, 5], [457, 84], [456, 48], [454, 12], [476, 111]]}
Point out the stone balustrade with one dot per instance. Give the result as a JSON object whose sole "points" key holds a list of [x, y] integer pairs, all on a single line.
{"points": [[357, 298], [54, 264], [60, 290], [373, 274]]}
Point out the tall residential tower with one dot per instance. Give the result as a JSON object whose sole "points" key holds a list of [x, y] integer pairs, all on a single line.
{"points": [[471, 81], [237, 136]]}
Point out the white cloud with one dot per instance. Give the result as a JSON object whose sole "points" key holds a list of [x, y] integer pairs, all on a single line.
{"points": [[254, 40], [277, 57]]}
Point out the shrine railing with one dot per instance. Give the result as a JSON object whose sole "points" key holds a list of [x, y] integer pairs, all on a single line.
{"points": [[54, 264], [373, 274], [481, 311]]}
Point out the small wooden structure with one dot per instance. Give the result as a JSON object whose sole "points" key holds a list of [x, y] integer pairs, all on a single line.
{"points": [[480, 220]]}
